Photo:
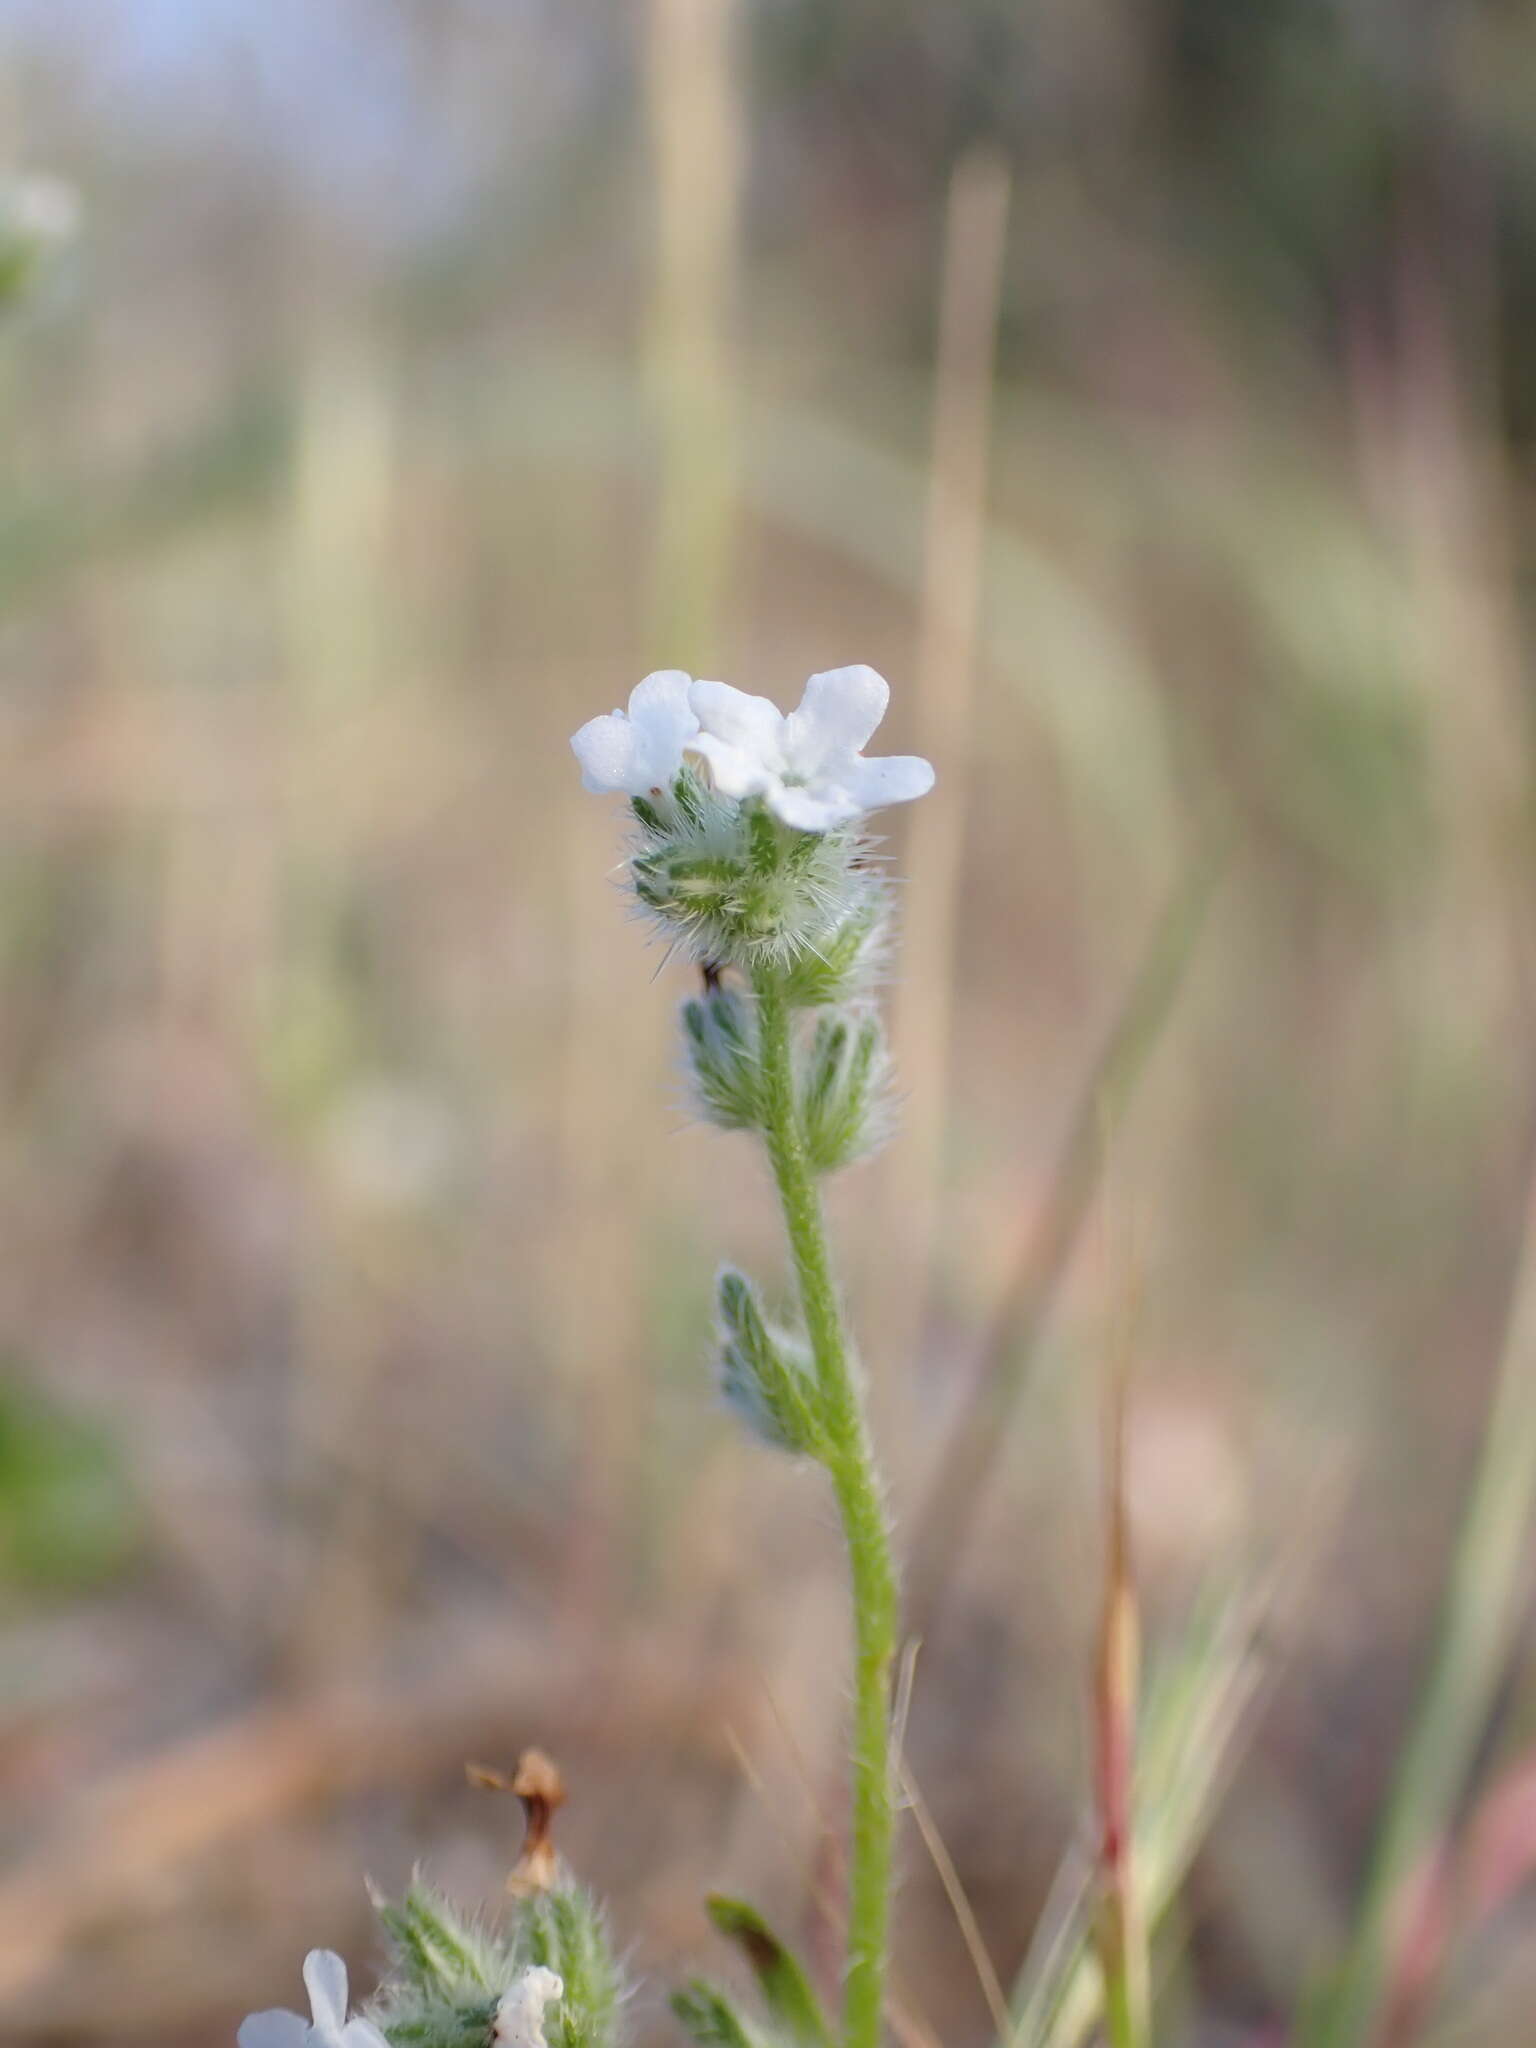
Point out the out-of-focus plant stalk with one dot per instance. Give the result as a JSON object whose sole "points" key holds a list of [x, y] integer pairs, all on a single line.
{"points": [[695, 123], [1187, 1741], [954, 552], [849, 1458], [347, 454], [1475, 1633], [968, 1460], [1456, 516], [1122, 1929]]}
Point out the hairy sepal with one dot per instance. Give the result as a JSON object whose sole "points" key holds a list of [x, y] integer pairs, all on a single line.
{"points": [[739, 888]]}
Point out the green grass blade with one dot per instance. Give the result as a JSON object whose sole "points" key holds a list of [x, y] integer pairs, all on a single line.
{"points": [[1195, 1708], [1477, 1621], [786, 1989]]}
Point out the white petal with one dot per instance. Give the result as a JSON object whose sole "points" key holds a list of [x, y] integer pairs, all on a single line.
{"points": [[663, 693], [821, 809], [663, 725], [642, 749], [520, 2011], [273, 2030], [838, 713], [892, 779], [325, 1979], [606, 749], [750, 723], [735, 771]]}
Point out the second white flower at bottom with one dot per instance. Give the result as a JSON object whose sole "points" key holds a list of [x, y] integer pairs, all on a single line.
{"points": [[520, 2011], [325, 1979]]}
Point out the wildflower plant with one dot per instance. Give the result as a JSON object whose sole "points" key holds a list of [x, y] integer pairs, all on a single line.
{"points": [[748, 851]]}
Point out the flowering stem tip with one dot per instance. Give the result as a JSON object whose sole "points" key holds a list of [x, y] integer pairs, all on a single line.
{"points": [[748, 851]]}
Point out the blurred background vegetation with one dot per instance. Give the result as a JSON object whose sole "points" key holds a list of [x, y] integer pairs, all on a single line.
{"points": [[1145, 389]]}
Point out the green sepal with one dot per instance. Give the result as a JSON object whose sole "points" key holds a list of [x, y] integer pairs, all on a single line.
{"points": [[735, 884], [691, 797], [448, 2026], [765, 839], [432, 1950]]}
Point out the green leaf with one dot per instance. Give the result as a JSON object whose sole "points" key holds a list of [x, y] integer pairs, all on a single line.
{"points": [[786, 1989]]}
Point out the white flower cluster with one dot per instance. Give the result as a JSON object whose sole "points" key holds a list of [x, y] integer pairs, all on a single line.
{"points": [[806, 766]]}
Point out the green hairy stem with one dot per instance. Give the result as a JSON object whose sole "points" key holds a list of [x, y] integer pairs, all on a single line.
{"points": [[850, 1462]]}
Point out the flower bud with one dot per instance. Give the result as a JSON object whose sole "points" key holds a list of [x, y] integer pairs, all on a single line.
{"points": [[849, 960], [720, 1031], [841, 1081], [446, 1974], [434, 1950], [564, 1930], [766, 1375]]}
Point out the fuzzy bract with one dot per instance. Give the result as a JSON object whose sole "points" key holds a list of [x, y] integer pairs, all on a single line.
{"points": [[720, 1034], [740, 889], [840, 1084]]}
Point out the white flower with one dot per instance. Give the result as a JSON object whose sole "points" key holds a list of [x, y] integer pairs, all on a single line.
{"points": [[520, 2011], [641, 751], [807, 766], [325, 1979]]}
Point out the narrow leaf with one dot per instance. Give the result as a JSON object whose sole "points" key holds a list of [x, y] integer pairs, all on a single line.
{"points": [[785, 1987]]}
